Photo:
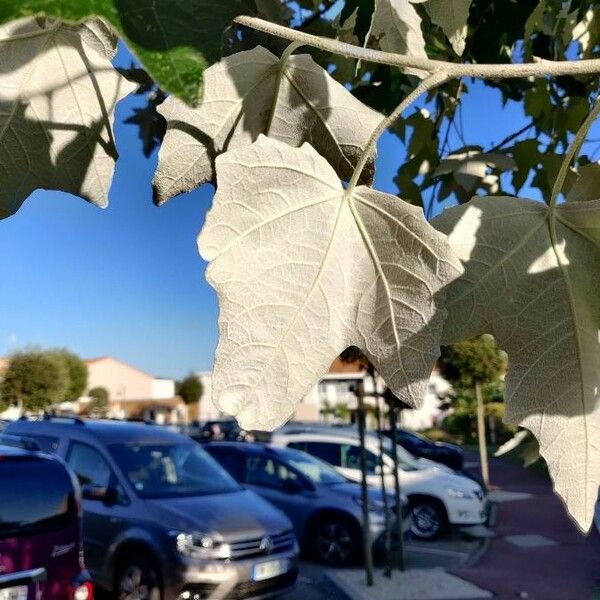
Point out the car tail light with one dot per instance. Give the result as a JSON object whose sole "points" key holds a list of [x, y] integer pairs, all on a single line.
{"points": [[83, 591]]}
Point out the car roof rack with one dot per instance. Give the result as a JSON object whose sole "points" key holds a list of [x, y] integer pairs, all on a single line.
{"points": [[18, 441], [63, 418]]}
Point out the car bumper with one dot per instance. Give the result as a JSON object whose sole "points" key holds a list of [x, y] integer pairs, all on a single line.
{"points": [[232, 580], [467, 511]]}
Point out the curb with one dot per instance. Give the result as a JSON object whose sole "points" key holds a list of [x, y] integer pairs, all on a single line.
{"points": [[332, 588], [479, 552]]}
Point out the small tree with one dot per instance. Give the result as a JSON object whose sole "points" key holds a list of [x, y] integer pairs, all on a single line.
{"points": [[34, 380], [99, 403], [470, 365], [77, 373], [189, 389]]}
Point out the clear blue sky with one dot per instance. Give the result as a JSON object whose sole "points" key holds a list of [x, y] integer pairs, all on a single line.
{"points": [[127, 280]]}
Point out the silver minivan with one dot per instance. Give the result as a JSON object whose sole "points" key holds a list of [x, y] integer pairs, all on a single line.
{"points": [[163, 520]]}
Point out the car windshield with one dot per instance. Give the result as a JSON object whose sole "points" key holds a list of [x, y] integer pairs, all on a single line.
{"points": [[316, 470], [171, 470], [406, 461]]}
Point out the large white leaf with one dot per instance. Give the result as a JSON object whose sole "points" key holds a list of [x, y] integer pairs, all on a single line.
{"points": [[451, 16], [251, 93], [396, 27], [532, 279], [58, 92], [304, 269]]}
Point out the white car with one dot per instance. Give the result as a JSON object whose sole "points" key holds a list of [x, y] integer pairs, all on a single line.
{"points": [[439, 497]]}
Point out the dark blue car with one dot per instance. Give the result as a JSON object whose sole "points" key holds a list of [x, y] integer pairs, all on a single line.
{"points": [[441, 452], [324, 507]]}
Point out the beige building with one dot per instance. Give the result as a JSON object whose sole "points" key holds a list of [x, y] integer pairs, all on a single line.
{"points": [[134, 393]]}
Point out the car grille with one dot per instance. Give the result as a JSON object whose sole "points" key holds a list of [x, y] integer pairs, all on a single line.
{"points": [[267, 544]]}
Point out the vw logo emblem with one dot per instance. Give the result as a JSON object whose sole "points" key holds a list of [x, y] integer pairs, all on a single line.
{"points": [[266, 545]]}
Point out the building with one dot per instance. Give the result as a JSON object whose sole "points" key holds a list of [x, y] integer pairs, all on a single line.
{"points": [[133, 393], [334, 397]]}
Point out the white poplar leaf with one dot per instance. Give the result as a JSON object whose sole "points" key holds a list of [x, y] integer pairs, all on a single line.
{"points": [[586, 185], [250, 93], [396, 27], [58, 92], [532, 280], [304, 269], [451, 16]]}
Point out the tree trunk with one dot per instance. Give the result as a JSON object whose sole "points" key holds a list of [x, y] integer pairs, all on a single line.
{"points": [[485, 473]]}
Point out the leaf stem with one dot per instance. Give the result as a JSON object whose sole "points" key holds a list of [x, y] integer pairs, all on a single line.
{"points": [[537, 68], [281, 67], [429, 82], [572, 150]]}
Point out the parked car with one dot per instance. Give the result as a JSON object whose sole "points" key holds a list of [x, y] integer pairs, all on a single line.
{"points": [[162, 519], [325, 508], [418, 445], [40, 528], [438, 496]]}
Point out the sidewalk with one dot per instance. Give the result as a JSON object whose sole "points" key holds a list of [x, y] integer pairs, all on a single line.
{"points": [[538, 553]]}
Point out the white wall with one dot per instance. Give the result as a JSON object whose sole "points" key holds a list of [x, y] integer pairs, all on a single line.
{"points": [[162, 389]]}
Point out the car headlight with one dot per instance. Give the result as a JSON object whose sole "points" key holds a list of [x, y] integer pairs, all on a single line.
{"points": [[376, 506], [458, 493], [197, 545]]}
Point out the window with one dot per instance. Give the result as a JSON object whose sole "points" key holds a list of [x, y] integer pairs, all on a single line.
{"points": [[40, 497], [171, 470], [47, 443], [231, 460], [267, 472], [89, 465], [351, 458], [327, 451]]}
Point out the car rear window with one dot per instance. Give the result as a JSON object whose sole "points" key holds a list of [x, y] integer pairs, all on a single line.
{"points": [[40, 497]]}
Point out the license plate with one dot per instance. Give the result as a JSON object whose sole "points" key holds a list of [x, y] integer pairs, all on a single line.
{"points": [[266, 570], [14, 593]]}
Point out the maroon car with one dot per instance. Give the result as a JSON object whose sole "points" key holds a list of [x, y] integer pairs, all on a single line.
{"points": [[40, 529]]}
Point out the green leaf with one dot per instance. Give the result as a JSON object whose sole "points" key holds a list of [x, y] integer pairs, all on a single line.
{"points": [[304, 269], [586, 185], [451, 16], [174, 39], [396, 27], [58, 92], [531, 280]]}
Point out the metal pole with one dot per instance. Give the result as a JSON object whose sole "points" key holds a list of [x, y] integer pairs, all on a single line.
{"points": [[485, 471], [388, 530], [399, 533], [367, 548]]}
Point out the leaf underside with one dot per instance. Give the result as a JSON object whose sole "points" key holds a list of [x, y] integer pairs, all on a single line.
{"points": [[303, 270], [531, 281], [251, 93], [57, 101]]}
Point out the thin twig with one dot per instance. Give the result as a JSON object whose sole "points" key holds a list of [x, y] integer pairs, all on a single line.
{"points": [[572, 150], [513, 136], [540, 68], [430, 82]]}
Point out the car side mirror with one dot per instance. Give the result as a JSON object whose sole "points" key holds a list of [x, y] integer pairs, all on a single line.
{"points": [[99, 492]]}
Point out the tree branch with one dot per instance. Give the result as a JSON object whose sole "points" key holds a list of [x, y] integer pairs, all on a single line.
{"points": [[539, 68]]}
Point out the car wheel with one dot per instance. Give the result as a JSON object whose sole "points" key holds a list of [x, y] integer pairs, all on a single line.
{"points": [[428, 519], [335, 541], [137, 579]]}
